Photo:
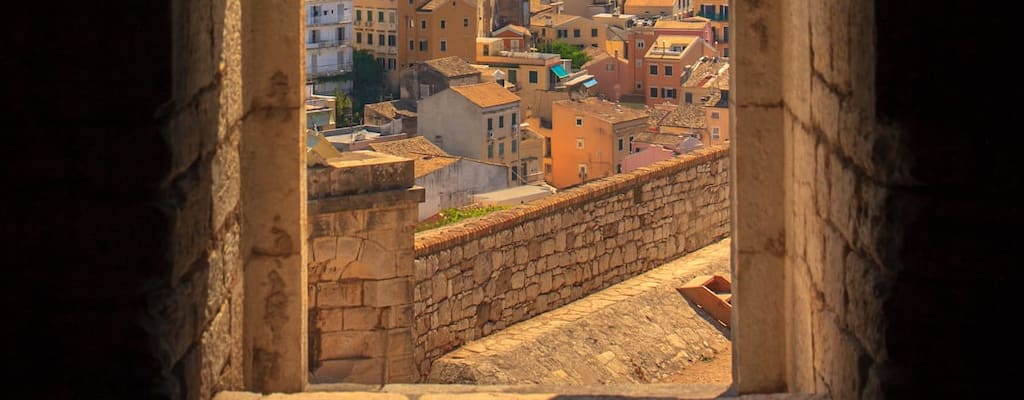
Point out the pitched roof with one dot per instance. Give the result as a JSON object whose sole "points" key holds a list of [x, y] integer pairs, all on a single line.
{"points": [[513, 28], [451, 66], [650, 3], [664, 139], [603, 110], [667, 24], [686, 115], [704, 72], [393, 109], [426, 156], [595, 54], [486, 94]]}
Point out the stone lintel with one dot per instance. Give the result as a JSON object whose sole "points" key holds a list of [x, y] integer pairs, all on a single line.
{"points": [[415, 195]]}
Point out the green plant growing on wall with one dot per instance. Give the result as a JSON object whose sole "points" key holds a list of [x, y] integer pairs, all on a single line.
{"points": [[343, 111], [453, 215]]}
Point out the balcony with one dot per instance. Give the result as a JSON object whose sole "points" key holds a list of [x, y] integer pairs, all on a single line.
{"points": [[323, 20], [328, 70], [322, 44], [722, 17]]}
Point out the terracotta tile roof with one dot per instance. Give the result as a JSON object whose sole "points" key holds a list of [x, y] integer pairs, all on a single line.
{"points": [[393, 109], [451, 66], [703, 74], [433, 4], [514, 28], [685, 116], [667, 24], [595, 54], [650, 3], [426, 156], [603, 110], [663, 139], [486, 94]]}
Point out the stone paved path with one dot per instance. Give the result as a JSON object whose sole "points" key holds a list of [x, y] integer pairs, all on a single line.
{"points": [[638, 331]]}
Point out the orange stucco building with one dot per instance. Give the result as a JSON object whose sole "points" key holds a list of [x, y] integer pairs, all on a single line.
{"points": [[589, 139]]}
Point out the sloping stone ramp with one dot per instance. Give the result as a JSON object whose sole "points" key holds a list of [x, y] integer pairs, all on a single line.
{"points": [[638, 331]]}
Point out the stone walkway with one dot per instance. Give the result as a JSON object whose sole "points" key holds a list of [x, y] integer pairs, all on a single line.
{"points": [[638, 331]]}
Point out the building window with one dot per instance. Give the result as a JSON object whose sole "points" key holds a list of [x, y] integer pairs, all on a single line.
{"points": [[515, 145], [380, 39], [501, 121], [639, 44], [575, 33], [582, 170], [609, 67], [359, 15], [444, 45], [444, 24], [618, 168], [380, 16], [593, 32], [654, 69], [412, 45], [423, 45], [391, 17], [688, 97], [579, 121], [392, 40], [725, 52], [423, 24], [668, 70], [533, 76], [465, 21], [715, 133], [501, 149], [369, 38], [714, 35], [725, 34], [359, 37], [654, 92], [515, 120], [621, 144], [563, 33], [670, 93], [714, 115], [513, 76], [490, 150], [547, 150], [630, 143], [579, 143], [490, 124]]}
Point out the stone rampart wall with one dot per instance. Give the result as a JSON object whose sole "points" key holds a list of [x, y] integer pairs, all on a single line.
{"points": [[480, 276]]}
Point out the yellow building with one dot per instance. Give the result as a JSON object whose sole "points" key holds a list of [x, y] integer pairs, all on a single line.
{"points": [[533, 76], [572, 29], [650, 8], [436, 29], [718, 12], [376, 30], [590, 138]]}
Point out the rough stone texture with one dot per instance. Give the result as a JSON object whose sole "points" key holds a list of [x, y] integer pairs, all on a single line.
{"points": [[360, 271], [637, 331], [521, 392], [602, 233]]}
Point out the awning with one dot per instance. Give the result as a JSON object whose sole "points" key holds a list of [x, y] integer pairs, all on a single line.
{"points": [[559, 71], [590, 83]]}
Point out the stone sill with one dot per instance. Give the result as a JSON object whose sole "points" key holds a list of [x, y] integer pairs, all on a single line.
{"points": [[515, 392]]}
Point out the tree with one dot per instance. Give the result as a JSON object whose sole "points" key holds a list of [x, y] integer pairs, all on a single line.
{"points": [[367, 79], [578, 56], [343, 112]]}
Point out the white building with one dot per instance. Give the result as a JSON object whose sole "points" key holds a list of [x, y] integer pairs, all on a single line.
{"points": [[328, 43]]}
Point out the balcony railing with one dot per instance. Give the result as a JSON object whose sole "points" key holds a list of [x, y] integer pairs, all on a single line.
{"points": [[318, 20], [714, 16], [328, 70], [326, 43]]}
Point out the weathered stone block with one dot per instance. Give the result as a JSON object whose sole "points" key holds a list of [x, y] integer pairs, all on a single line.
{"points": [[366, 371], [329, 320], [339, 294], [362, 318], [388, 292], [352, 344]]}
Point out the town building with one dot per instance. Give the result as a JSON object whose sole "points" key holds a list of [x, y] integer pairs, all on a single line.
{"points": [[653, 8], [432, 76], [590, 138], [516, 12], [718, 12], [398, 113], [448, 181], [328, 39], [514, 37], [612, 73], [664, 62], [479, 121], [706, 83], [578, 31], [433, 29]]}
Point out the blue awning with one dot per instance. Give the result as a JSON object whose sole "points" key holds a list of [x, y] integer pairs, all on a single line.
{"points": [[559, 71], [590, 83]]}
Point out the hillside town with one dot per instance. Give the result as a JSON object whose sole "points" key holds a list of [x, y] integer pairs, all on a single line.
{"points": [[510, 100]]}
